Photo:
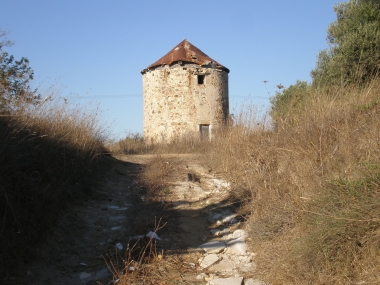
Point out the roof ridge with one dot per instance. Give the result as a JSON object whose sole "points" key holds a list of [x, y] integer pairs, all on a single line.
{"points": [[186, 52]]}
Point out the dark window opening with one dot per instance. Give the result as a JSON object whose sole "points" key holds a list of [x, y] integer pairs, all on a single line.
{"points": [[204, 131], [201, 79]]}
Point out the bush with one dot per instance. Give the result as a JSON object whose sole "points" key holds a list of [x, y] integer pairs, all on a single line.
{"points": [[289, 100]]}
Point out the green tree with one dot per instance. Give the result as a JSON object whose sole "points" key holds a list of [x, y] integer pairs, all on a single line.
{"points": [[354, 44], [14, 78], [289, 100]]}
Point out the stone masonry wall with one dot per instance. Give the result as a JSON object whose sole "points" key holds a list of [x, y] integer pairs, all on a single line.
{"points": [[175, 104]]}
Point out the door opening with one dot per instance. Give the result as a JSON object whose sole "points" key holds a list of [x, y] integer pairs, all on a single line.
{"points": [[204, 131]]}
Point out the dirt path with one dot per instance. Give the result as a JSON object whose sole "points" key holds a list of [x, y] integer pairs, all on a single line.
{"points": [[209, 240], [203, 241], [75, 249]]}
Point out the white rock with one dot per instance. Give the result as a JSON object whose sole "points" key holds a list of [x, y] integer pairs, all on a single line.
{"points": [[237, 246], [238, 233], [252, 281], [213, 246], [119, 246], [223, 266], [245, 259], [229, 218], [209, 260], [248, 267], [226, 281]]}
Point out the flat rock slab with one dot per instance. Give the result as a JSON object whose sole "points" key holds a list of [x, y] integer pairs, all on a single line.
{"points": [[239, 233], [252, 281], [209, 260], [213, 246], [223, 266], [226, 281], [221, 216]]}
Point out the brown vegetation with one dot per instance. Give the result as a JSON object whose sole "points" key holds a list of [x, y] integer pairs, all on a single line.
{"points": [[310, 185], [313, 187], [47, 151], [135, 144]]}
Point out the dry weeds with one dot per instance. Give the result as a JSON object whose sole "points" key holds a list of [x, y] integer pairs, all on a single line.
{"points": [[309, 186], [313, 187], [46, 152], [135, 144]]}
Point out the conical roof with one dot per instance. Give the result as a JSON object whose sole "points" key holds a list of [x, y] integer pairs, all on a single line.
{"points": [[186, 52]]}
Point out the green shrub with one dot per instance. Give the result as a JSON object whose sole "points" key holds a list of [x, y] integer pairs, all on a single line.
{"points": [[289, 100]]}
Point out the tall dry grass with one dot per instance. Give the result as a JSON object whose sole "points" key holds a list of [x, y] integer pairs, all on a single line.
{"points": [[313, 186], [46, 153], [135, 144]]}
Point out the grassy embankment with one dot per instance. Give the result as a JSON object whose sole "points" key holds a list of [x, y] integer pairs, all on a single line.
{"points": [[314, 187], [312, 182], [46, 153]]}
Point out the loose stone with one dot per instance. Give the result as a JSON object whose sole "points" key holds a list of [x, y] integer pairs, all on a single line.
{"points": [[226, 281], [209, 260], [252, 281]]}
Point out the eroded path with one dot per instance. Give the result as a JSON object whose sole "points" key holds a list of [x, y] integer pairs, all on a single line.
{"points": [[210, 237], [203, 242]]}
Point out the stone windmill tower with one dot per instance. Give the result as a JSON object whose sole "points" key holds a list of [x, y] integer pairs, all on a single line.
{"points": [[185, 92]]}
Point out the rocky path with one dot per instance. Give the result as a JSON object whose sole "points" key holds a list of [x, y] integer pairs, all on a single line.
{"points": [[204, 243], [211, 231]]}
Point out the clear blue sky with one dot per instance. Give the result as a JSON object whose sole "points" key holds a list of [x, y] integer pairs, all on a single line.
{"points": [[96, 49]]}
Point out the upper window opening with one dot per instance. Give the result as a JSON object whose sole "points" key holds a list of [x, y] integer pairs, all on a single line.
{"points": [[201, 79]]}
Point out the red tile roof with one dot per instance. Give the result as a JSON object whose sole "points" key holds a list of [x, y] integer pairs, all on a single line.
{"points": [[186, 52]]}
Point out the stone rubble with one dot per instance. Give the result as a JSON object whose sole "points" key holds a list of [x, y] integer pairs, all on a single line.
{"points": [[209, 260], [225, 255], [226, 281], [252, 281]]}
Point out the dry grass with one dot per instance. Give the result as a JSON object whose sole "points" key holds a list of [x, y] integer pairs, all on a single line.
{"points": [[46, 152], [147, 261], [310, 186], [313, 187], [134, 144], [139, 262]]}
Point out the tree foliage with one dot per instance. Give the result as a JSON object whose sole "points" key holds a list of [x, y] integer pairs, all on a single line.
{"points": [[14, 78], [289, 99], [354, 45]]}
